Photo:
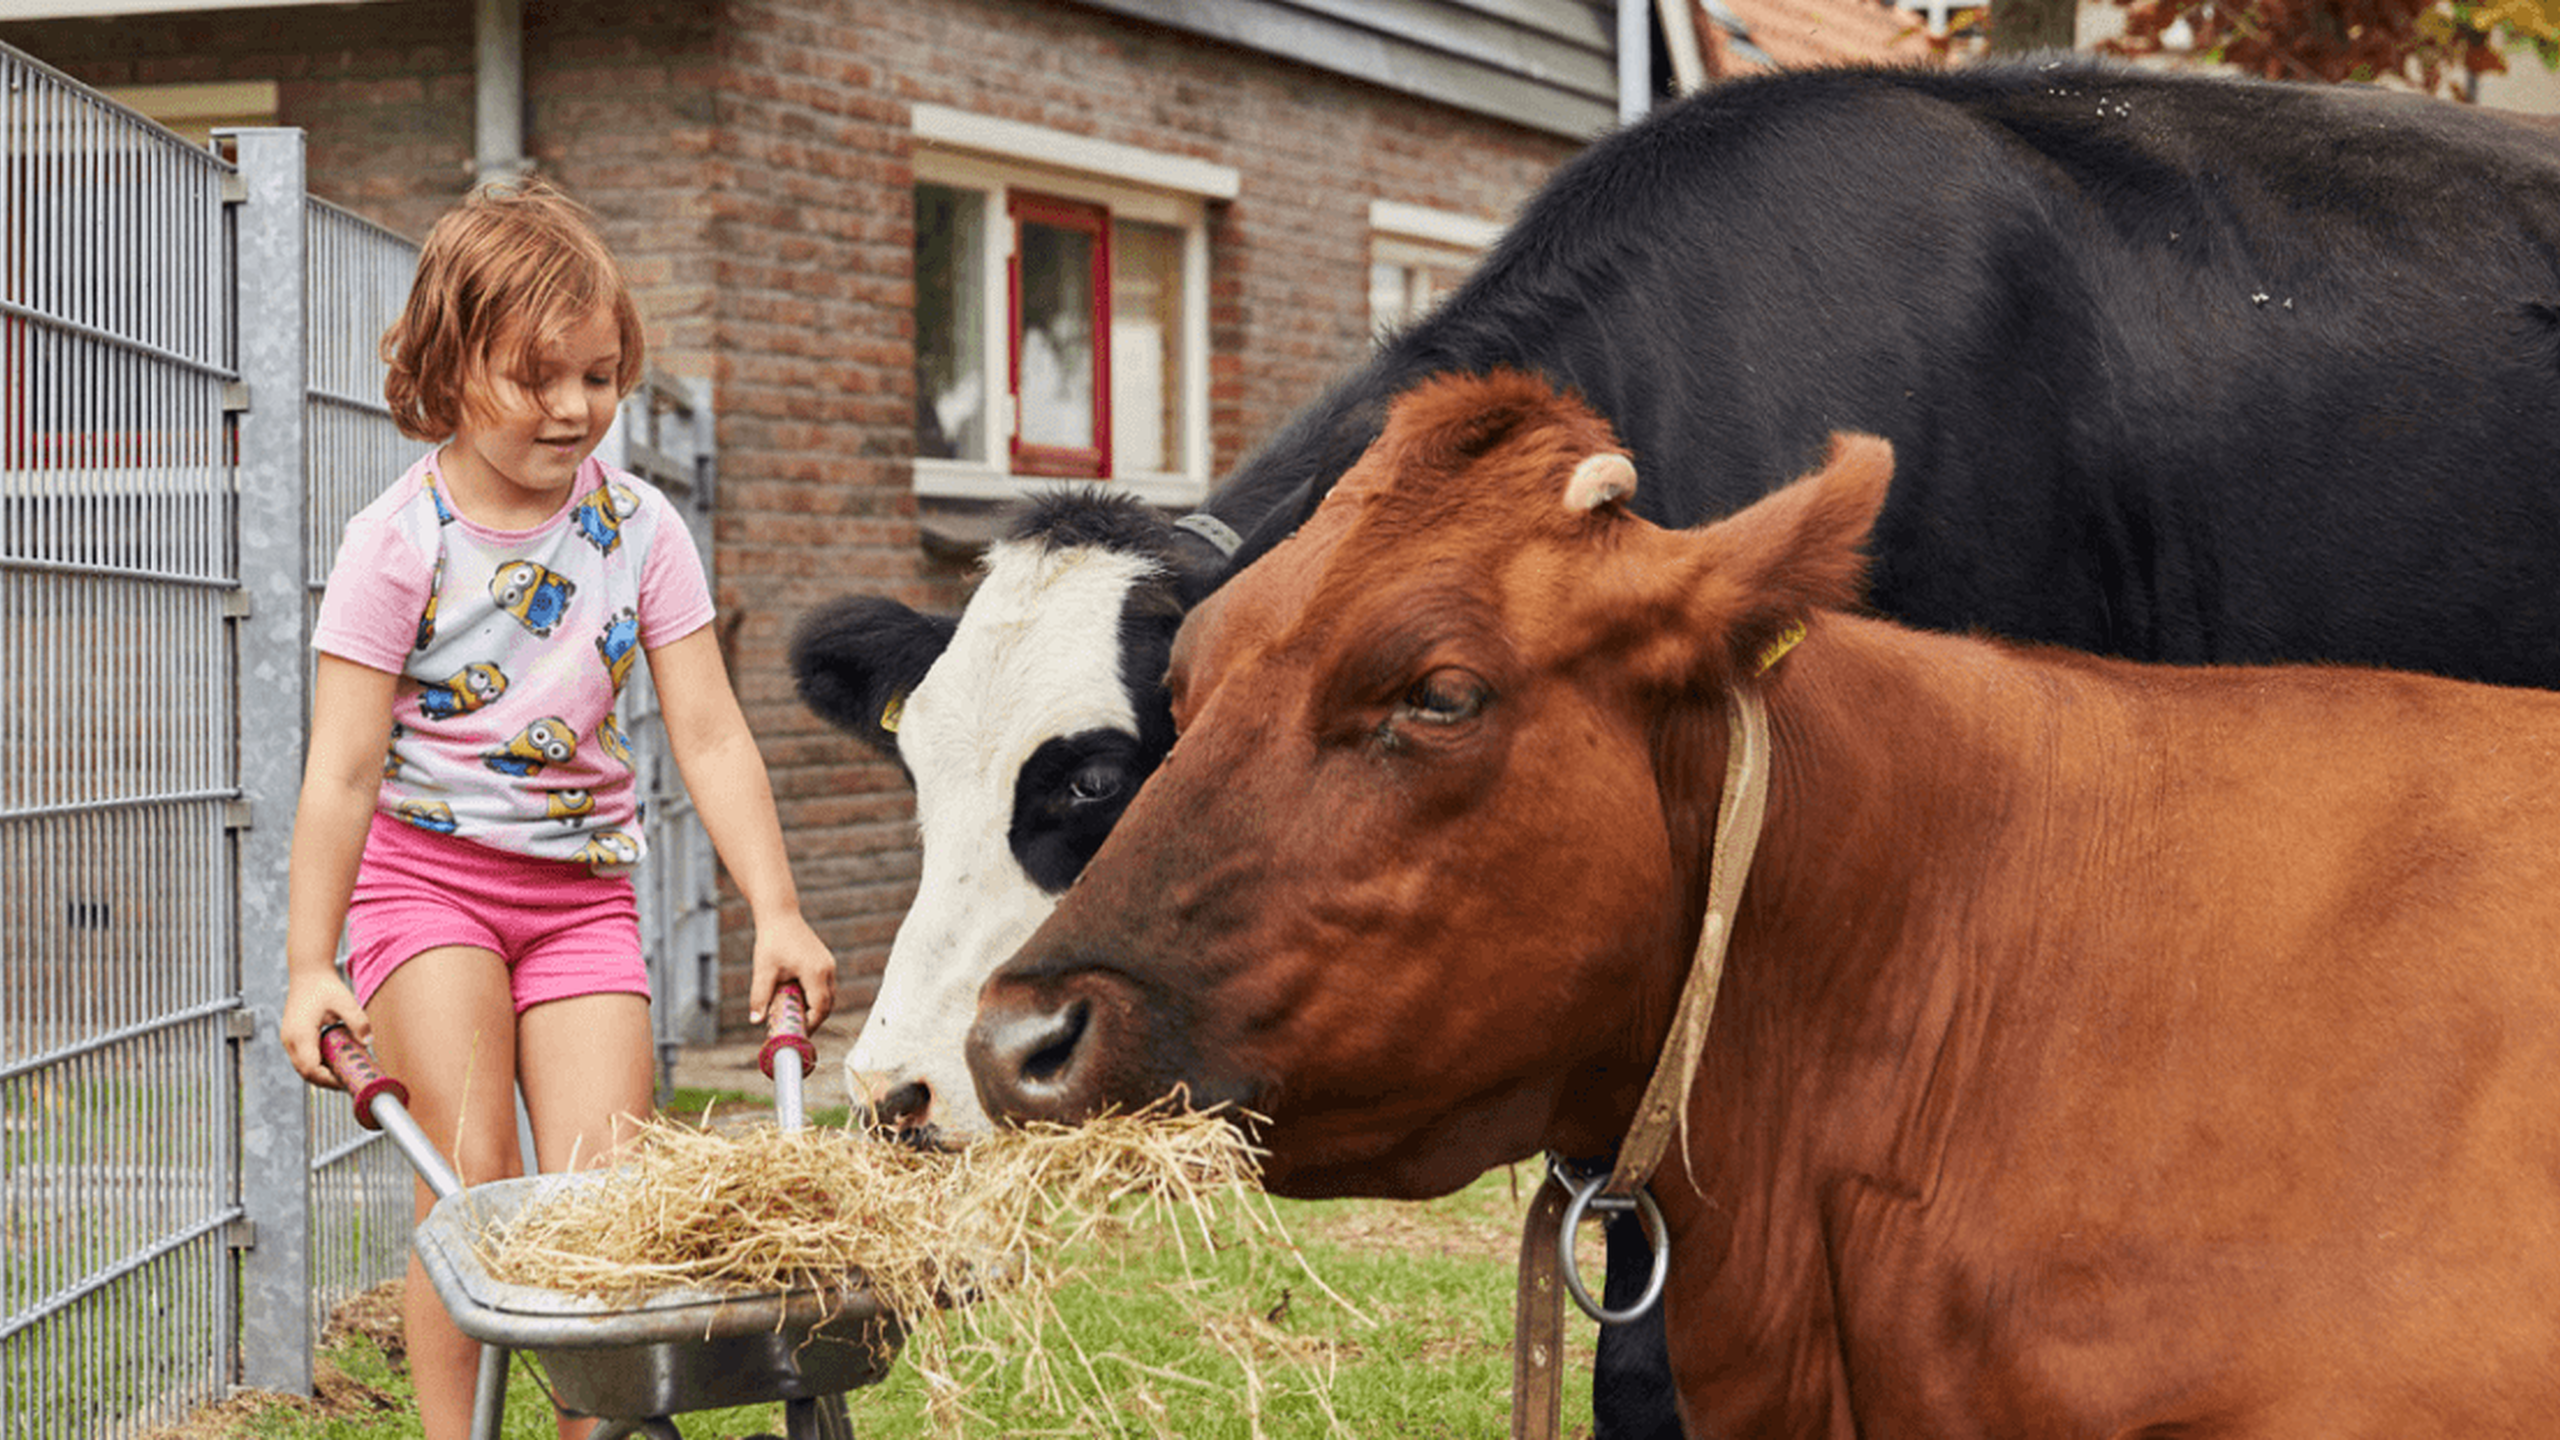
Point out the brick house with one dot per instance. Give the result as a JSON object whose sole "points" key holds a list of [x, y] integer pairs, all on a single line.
{"points": [[815, 198], [1746, 37]]}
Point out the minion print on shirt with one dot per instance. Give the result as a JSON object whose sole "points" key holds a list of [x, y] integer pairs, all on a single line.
{"points": [[470, 688], [608, 850], [619, 645], [546, 742], [535, 594], [432, 815], [609, 735], [599, 518], [427, 617]]}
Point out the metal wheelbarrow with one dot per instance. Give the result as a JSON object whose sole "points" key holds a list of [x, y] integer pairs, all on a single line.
{"points": [[634, 1367]]}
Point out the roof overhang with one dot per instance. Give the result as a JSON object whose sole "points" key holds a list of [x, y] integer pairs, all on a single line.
{"points": [[126, 9]]}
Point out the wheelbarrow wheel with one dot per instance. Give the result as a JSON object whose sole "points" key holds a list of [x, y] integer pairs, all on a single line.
{"points": [[823, 1418]]}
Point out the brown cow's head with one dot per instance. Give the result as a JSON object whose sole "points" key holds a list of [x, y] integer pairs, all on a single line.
{"points": [[1409, 885]]}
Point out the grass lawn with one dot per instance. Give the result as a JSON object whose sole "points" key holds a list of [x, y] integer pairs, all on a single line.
{"points": [[1391, 1319]]}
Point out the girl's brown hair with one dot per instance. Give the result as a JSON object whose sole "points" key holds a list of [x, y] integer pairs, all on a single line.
{"points": [[512, 267]]}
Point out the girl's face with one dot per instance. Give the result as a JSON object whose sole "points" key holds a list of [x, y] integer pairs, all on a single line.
{"points": [[513, 458]]}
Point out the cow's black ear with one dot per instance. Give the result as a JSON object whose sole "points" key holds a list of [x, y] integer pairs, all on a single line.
{"points": [[856, 658]]}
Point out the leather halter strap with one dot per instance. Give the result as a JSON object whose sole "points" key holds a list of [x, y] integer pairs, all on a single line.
{"points": [[1738, 819], [1537, 1375]]}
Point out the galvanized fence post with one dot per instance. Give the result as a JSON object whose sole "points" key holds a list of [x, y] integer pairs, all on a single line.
{"points": [[275, 1137]]}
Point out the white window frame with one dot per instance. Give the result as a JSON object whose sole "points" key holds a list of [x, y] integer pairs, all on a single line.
{"points": [[996, 157], [1417, 236], [1939, 16]]}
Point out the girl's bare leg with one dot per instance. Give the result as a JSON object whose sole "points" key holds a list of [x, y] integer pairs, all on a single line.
{"points": [[445, 1024], [589, 1068]]}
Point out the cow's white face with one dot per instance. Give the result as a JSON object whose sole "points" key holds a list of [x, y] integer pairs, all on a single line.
{"points": [[1030, 682]]}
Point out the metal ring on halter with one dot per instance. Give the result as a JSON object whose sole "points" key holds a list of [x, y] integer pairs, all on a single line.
{"points": [[1587, 1197]]}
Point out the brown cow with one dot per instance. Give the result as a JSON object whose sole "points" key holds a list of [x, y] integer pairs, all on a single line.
{"points": [[2105, 1050]]}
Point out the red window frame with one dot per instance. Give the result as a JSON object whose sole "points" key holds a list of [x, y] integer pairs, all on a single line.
{"points": [[1064, 461]]}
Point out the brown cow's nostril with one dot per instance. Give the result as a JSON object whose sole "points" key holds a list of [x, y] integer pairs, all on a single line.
{"points": [[1025, 1060], [1046, 1064]]}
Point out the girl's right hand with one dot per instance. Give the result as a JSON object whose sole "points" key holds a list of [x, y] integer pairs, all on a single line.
{"points": [[311, 1006]]}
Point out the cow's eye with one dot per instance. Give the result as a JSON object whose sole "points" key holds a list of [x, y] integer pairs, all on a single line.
{"points": [[1446, 696], [1095, 782]]}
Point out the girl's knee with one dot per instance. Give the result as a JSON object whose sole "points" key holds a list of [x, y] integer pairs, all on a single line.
{"points": [[482, 1157]]}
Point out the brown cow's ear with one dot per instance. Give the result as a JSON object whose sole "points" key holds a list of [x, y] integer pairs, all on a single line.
{"points": [[1798, 550], [1707, 605]]}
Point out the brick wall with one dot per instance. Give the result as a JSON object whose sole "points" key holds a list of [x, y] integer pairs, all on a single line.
{"points": [[810, 179], [750, 161]]}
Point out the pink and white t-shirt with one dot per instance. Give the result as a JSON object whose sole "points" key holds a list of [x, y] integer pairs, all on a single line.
{"points": [[513, 647]]}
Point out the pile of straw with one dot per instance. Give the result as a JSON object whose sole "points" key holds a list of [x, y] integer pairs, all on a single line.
{"points": [[993, 1229], [764, 1209], [968, 1248]]}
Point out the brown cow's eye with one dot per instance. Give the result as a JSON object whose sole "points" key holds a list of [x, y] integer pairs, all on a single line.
{"points": [[1447, 696]]}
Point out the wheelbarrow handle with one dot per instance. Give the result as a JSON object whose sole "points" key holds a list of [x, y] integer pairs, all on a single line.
{"points": [[382, 1103], [788, 1029], [353, 1065]]}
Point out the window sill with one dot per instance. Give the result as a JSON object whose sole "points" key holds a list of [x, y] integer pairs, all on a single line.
{"points": [[958, 532], [956, 526], [964, 480]]}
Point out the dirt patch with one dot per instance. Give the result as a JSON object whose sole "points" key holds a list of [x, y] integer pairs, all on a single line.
{"points": [[338, 1396], [375, 1315], [1485, 1222], [1414, 1231]]}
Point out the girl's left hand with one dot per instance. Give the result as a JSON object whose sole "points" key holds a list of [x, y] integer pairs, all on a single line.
{"points": [[790, 950]]}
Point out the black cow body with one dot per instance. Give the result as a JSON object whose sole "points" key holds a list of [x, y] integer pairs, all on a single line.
{"points": [[2175, 369], [2179, 369]]}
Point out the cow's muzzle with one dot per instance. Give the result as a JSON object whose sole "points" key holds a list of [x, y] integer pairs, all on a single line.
{"points": [[1030, 1052]]}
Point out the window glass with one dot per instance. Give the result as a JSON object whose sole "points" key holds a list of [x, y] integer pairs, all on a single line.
{"points": [[1407, 278], [1391, 304], [951, 368], [1061, 332], [1146, 347], [1057, 375]]}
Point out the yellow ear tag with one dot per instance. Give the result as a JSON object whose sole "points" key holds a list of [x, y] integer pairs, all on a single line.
{"points": [[1779, 647], [891, 712]]}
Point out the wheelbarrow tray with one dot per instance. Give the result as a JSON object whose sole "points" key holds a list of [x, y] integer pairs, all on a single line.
{"points": [[676, 1350]]}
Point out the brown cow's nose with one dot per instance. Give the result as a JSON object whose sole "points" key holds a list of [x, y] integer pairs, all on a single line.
{"points": [[1027, 1057]]}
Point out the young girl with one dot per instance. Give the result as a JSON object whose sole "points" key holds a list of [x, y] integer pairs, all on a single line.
{"points": [[467, 812]]}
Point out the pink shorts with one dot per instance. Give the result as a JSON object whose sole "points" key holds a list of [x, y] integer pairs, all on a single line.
{"points": [[562, 929]]}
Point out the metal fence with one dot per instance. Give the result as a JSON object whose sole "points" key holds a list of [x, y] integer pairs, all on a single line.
{"points": [[116, 799], [190, 412], [665, 436], [182, 341]]}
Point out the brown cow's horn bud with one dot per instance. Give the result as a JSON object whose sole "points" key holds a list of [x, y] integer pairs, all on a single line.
{"points": [[1600, 479]]}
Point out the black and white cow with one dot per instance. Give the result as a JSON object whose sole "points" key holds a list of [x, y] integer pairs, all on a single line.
{"points": [[2174, 368]]}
